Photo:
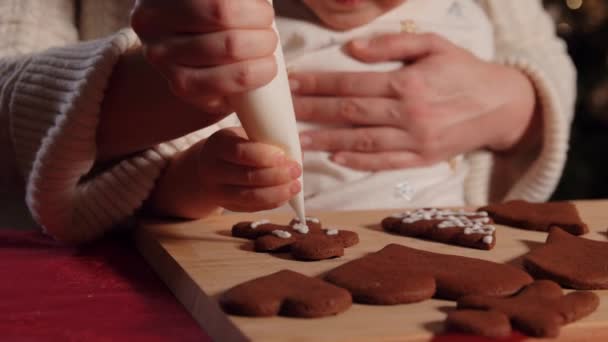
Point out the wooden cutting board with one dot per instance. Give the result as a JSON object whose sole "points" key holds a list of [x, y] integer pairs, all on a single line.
{"points": [[198, 260]]}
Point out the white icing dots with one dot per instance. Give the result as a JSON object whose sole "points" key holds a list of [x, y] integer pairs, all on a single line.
{"points": [[488, 239], [256, 224], [281, 233], [401, 215], [471, 222], [332, 231], [301, 228]]}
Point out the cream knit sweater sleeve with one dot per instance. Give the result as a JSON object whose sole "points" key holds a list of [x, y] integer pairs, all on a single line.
{"points": [[526, 39], [51, 89]]}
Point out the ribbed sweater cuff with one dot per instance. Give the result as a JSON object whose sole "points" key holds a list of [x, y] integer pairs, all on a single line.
{"points": [[54, 110], [539, 179]]}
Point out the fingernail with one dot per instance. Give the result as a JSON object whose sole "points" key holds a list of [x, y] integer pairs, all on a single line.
{"points": [[295, 171], [305, 140], [294, 85], [360, 43], [295, 187]]}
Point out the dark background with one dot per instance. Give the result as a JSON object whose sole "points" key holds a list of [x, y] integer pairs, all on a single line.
{"points": [[584, 26]]}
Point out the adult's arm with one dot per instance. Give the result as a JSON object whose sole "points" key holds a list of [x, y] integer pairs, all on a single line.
{"points": [[51, 91], [77, 104], [526, 39]]}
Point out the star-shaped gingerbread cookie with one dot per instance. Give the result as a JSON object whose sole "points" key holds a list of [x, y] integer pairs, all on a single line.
{"points": [[456, 227], [571, 261], [286, 293], [304, 241], [538, 310], [537, 216], [397, 274]]}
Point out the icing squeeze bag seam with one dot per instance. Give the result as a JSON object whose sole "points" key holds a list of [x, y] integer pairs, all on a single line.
{"points": [[268, 116]]}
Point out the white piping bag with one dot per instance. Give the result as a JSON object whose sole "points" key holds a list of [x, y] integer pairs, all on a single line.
{"points": [[268, 116]]}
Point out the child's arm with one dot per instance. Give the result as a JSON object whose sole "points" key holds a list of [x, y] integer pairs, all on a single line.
{"points": [[226, 171]]}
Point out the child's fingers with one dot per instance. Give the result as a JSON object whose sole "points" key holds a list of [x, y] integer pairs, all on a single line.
{"points": [[232, 174], [230, 145], [239, 198]]}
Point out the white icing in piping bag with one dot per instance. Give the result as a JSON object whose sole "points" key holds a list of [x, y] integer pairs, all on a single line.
{"points": [[268, 116]]}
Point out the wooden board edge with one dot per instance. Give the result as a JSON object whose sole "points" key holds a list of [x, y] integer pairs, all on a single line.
{"points": [[214, 321]]}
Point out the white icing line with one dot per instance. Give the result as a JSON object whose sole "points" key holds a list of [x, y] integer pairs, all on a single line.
{"points": [[332, 231], [281, 233], [256, 224], [300, 228], [472, 222], [488, 239]]}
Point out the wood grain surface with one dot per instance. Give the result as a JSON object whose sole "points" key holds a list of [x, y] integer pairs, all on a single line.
{"points": [[199, 260]]}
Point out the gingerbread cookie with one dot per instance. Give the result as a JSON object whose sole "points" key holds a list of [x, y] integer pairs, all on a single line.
{"points": [[537, 216], [397, 274], [304, 241], [571, 261], [457, 227], [538, 310], [286, 293]]}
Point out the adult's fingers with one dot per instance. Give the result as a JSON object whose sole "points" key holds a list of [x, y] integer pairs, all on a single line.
{"points": [[349, 110], [187, 82], [367, 139], [154, 18], [460, 138], [362, 84], [398, 46], [214, 48]]}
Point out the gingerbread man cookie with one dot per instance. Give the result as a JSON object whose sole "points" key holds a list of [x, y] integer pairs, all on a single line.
{"points": [[571, 261], [286, 293], [307, 241], [397, 274], [537, 216], [458, 227], [538, 310]]}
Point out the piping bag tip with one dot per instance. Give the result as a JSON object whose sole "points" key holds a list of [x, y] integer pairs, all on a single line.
{"points": [[297, 204], [267, 114]]}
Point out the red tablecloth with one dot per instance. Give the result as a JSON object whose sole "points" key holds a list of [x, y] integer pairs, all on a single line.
{"points": [[101, 292]]}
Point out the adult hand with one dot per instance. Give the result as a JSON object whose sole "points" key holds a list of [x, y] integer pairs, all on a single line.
{"points": [[443, 102], [208, 49], [199, 51]]}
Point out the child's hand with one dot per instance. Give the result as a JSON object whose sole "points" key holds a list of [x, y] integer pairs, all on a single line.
{"points": [[228, 171], [208, 49]]}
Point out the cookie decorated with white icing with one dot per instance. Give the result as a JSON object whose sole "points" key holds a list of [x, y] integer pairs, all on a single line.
{"points": [[456, 227], [305, 241]]}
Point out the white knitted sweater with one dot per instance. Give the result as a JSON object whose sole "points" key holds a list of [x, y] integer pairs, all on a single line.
{"points": [[56, 57]]}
